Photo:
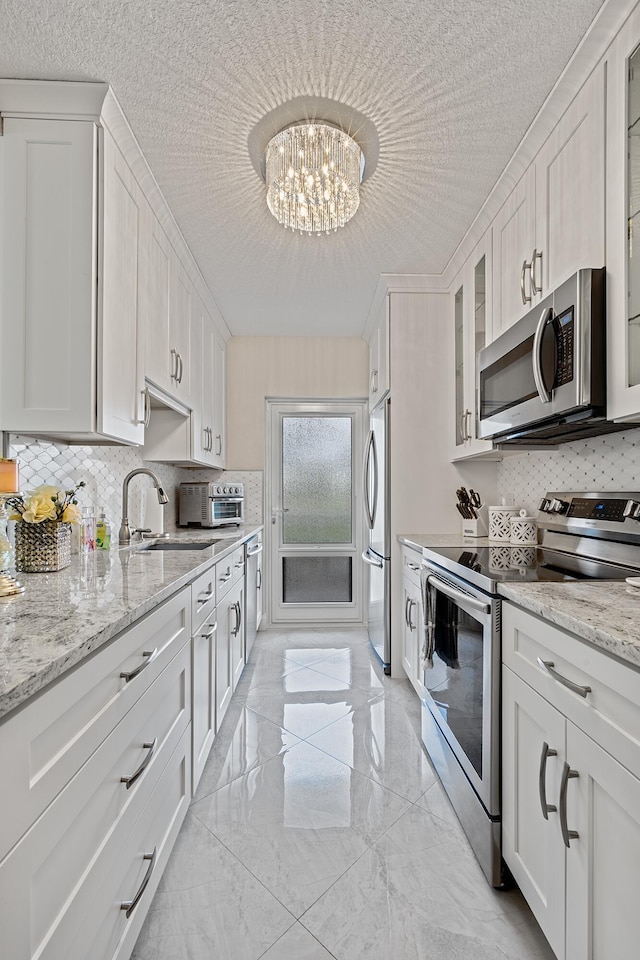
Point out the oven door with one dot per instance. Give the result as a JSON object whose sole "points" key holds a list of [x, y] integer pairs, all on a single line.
{"points": [[226, 510], [462, 678]]}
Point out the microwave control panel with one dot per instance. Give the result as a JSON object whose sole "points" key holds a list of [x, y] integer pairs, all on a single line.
{"points": [[564, 339]]}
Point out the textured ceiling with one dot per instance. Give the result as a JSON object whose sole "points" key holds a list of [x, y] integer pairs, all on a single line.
{"points": [[450, 87]]}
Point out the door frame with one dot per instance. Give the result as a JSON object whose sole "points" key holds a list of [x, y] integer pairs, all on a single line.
{"points": [[358, 409]]}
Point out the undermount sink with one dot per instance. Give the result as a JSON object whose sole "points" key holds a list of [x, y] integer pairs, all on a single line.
{"points": [[178, 545]]}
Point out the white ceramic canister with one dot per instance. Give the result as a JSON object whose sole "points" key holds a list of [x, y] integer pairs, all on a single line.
{"points": [[524, 529], [500, 522]]}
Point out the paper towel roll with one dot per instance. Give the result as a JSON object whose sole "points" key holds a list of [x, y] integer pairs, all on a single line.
{"points": [[153, 512]]}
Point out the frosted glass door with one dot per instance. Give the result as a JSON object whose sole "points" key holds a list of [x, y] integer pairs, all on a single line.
{"points": [[313, 516]]}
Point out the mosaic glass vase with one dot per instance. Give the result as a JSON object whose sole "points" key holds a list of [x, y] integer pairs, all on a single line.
{"points": [[42, 547]]}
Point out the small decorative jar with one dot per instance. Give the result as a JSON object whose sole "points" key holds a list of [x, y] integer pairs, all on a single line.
{"points": [[499, 522], [42, 547], [524, 529]]}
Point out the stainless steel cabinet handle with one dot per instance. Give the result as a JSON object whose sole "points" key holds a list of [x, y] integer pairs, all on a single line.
{"points": [[179, 368], [536, 255], [374, 381], [129, 905], [227, 577], [458, 595], [462, 436], [546, 808], [523, 293], [239, 564], [467, 429], [212, 629], [146, 407], [150, 656], [406, 610], [151, 747], [236, 610], [567, 835], [549, 665], [203, 597], [372, 561], [411, 624], [219, 445], [413, 566], [259, 579], [239, 616], [174, 365]]}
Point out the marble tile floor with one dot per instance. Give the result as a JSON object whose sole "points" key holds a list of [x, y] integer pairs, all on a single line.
{"points": [[320, 830]]}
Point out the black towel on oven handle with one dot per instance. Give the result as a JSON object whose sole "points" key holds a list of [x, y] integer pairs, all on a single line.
{"points": [[429, 611]]}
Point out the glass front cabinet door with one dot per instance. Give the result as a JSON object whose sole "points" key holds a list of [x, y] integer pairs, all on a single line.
{"points": [[471, 325]]}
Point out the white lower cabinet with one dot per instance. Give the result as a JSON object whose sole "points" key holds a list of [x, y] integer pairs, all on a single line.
{"points": [[230, 648], [578, 866], [413, 618]]}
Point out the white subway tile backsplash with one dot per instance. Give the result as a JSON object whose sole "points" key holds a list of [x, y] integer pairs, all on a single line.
{"points": [[610, 462]]}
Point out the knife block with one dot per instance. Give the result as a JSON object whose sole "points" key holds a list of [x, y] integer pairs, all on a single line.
{"points": [[476, 528]]}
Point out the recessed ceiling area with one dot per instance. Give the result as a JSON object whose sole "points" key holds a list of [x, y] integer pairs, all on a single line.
{"points": [[446, 88]]}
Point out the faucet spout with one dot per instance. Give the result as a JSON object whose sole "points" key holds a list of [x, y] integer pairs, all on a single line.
{"points": [[124, 536]]}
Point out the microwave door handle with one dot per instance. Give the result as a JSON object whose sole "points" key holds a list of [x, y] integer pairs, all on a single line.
{"points": [[543, 392]]}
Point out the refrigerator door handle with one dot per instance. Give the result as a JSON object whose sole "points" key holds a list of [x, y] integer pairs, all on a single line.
{"points": [[365, 476], [371, 560], [374, 454]]}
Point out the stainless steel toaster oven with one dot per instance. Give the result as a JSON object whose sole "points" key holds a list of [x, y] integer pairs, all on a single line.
{"points": [[211, 504]]}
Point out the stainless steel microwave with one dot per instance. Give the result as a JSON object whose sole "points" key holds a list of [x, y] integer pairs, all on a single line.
{"points": [[543, 381]]}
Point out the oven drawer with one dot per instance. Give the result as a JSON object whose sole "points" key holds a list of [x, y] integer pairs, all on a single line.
{"points": [[609, 712]]}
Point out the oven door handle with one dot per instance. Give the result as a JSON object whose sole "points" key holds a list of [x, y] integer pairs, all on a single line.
{"points": [[543, 392], [454, 594]]}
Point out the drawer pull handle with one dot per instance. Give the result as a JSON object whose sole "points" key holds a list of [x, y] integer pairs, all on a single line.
{"points": [[567, 835], [239, 564], [224, 579], [150, 656], [213, 627], [151, 747], [413, 566], [548, 665], [130, 905], [547, 808], [203, 597]]}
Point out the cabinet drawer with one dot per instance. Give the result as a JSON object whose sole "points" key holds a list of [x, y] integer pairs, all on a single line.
{"points": [[203, 598], [609, 713], [46, 741], [411, 563], [43, 876]]}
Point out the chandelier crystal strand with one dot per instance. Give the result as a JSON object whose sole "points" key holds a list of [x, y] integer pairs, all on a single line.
{"points": [[313, 176]]}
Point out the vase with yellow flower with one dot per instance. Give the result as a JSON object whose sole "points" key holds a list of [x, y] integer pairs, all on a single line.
{"points": [[43, 527]]}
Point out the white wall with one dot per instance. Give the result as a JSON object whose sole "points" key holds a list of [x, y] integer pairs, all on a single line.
{"points": [[259, 367]]}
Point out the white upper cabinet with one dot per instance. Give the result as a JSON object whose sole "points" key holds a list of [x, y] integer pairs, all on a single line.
{"points": [[552, 224], [155, 259], [182, 322], [379, 357], [71, 367], [623, 205], [513, 242]]}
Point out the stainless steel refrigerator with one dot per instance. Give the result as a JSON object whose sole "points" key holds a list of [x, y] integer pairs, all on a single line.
{"points": [[378, 554]]}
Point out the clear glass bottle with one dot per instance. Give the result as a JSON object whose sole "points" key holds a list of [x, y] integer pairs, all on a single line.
{"points": [[103, 531], [87, 531]]}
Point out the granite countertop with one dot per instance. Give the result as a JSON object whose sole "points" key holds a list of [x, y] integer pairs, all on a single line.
{"points": [[605, 613], [62, 617], [419, 540]]}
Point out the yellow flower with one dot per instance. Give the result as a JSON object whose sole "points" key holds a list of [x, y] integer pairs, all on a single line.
{"points": [[47, 490], [38, 508], [15, 516], [72, 514]]}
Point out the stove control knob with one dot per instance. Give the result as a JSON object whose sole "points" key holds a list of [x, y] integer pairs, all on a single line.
{"points": [[558, 506], [543, 506], [225, 489], [632, 510], [218, 490]]}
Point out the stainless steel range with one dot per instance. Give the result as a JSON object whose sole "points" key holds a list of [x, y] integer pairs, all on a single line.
{"points": [[584, 536]]}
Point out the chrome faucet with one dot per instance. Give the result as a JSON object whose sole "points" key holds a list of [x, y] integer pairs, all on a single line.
{"points": [[124, 536]]}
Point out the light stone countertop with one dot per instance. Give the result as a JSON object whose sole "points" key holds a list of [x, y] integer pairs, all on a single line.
{"points": [[605, 613], [63, 617], [419, 540]]}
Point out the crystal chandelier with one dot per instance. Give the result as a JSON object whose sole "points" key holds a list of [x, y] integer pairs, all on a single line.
{"points": [[313, 174]]}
